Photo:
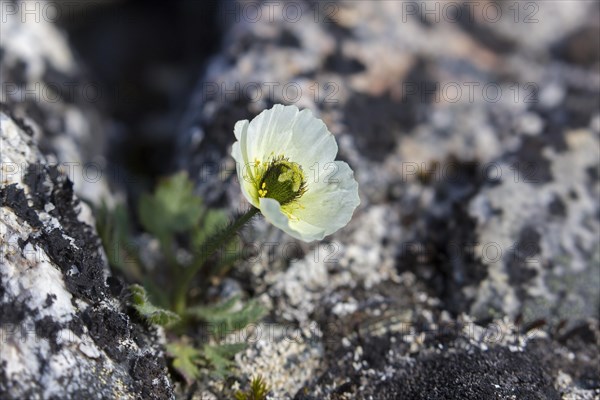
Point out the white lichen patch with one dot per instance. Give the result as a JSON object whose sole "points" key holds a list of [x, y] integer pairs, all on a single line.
{"points": [[285, 357], [567, 244], [365, 255], [302, 285]]}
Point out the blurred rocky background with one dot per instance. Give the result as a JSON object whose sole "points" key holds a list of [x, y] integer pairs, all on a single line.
{"points": [[471, 268]]}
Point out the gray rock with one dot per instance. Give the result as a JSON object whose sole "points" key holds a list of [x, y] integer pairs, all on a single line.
{"points": [[64, 328], [44, 84], [454, 363], [476, 207]]}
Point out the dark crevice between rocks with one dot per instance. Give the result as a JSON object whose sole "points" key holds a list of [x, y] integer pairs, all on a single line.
{"points": [[144, 68]]}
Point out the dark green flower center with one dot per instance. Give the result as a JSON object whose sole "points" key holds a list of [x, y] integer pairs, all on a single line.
{"points": [[283, 181]]}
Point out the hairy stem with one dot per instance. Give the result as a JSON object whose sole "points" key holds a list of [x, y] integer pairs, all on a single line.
{"points": [[214, 243]]}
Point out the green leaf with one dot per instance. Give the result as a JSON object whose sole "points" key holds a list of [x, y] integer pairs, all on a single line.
{"points": [[172, 208], [206, 312], [223, 316], [220, 357], [155, 315], [188, 360], [185, 360]]}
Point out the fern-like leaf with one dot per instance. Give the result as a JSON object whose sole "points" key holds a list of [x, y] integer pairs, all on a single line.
{"points": [[219, 357], [185, 360], [155, 315], [172, 208], [224, 317]]}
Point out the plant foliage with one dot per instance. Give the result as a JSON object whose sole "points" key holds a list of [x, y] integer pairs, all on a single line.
{"points": [[180, 221], [153, 314], [172, 208]]}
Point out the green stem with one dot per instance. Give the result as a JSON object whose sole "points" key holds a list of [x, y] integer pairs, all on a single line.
{"points": [[166, 245], [211, 245]]}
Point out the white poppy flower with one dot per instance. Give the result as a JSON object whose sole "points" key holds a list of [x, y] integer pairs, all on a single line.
{"points": [[286, 167]]}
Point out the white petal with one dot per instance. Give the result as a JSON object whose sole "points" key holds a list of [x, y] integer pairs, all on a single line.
{"points": [[311, 143], [239, 130], [241, 133], [330, 202], [270, 132], [271, 210], [248, 189]]}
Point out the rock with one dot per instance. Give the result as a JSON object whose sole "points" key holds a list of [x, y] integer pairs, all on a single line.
{"points": [[44, 84], [451, 363], [475, 144], [276, 346], [63, 322], [541, 214], [471, 269]]}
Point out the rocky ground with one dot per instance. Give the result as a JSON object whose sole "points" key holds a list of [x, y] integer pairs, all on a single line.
{"points": [[65, 328], [471, 268]]}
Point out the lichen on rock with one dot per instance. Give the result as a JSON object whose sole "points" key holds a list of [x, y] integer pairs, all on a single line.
{"points": [[64, 335]]}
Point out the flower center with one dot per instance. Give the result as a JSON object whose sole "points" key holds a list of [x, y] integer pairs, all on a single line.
{"points": [[283, 181]]}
